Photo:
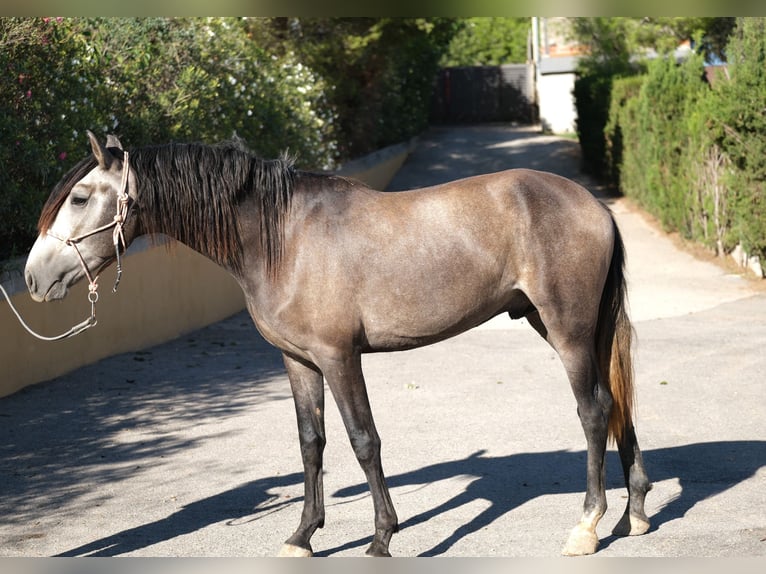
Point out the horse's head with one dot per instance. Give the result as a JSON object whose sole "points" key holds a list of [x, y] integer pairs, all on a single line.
{"points": [[83, 223]]}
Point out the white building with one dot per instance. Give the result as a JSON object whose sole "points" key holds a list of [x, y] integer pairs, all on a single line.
{"points": [[555, 58]]}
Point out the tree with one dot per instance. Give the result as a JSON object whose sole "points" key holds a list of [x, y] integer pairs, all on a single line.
{"points": [[618, 40], [379, 71], [485, 41], [606, 42]]}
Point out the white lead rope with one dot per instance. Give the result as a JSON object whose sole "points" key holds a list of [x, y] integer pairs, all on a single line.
{"points": [[76, 330]]}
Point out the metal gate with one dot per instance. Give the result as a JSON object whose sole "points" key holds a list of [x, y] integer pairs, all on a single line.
{"points": [[476, 94]]}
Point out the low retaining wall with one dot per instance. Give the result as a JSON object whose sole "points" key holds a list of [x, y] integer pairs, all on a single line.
{"points": [[166, 290], [378, 169]]}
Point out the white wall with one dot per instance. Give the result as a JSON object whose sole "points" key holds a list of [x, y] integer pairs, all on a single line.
{"points": [[556, 102]]}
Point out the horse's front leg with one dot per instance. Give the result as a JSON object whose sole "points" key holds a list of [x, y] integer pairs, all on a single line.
{"points": [[308, 393], [346, 381]]}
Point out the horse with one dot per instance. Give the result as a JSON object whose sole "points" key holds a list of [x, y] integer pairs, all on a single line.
{"points": [[332, 269]]}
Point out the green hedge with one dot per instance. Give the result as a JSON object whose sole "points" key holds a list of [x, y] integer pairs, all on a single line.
{"points": [[693, 154], [623, 91], [737, 129], [656, 137], [592, 92], [148, 80], [353, 86]]}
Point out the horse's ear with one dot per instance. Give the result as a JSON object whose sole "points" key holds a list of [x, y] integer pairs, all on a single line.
{"points": [[103, 156], [112, 141]]}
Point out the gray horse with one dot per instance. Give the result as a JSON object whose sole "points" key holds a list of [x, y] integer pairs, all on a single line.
{"points": [[332, 269]]}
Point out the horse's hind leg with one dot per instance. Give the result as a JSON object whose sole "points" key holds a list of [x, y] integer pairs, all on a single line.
{"points": [[308, 393], [594, 403], [574, 344], [634, 521]]}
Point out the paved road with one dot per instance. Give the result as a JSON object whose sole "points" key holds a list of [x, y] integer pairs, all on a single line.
{"points": [[190, 448]]}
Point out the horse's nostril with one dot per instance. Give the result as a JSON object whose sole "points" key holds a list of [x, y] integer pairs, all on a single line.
{"points": [[30, 281]]}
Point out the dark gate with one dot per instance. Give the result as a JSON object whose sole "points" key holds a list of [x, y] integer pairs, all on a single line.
{"points": [[475, 94]]}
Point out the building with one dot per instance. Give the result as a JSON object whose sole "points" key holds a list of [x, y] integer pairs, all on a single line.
{"points": [[555, 57]]}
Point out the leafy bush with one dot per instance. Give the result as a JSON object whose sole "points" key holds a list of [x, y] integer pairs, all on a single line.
{"points": [[327, 90], [653, 138], [695, 155], [149, 80], [660, 177], [737, 127], [46, 96], [592, 94], [622, 111], [205, 79], [379, 72]]}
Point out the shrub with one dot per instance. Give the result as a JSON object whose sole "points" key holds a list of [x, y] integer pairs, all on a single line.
{"points": [[592, 93], [45, 97], [622, 112], [660, 178], [148, 80], [695, 156], [738, 128], [379, 72]]}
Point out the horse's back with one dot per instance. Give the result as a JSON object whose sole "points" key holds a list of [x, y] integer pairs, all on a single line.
{"points": [[524, 217]]}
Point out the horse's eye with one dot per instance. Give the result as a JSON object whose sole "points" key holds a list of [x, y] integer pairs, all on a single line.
{"points": [[79, 201]]}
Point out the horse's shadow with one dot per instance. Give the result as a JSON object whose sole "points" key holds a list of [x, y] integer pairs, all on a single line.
{"points": [[702, 470], [230, 506]]}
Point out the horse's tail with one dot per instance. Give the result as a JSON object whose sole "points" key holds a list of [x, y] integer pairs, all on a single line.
{"points": [[614, 337]]}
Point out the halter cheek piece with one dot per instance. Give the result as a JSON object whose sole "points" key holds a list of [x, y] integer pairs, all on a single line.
{"points": [[123, 206]]}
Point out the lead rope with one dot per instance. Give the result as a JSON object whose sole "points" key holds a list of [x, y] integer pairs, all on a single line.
{"points": [[76, 330], [123, 203]]}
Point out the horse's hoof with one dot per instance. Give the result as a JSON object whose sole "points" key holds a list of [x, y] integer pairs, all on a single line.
{"points": [[581, 541], [630, 525], [293, 551], [377, 550]]}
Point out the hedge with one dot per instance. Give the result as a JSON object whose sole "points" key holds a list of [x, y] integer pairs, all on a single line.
{"points": [[153, 80], [691, 153], [592, 93], [148, 80]]}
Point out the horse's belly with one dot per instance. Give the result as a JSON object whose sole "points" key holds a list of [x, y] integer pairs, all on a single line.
{"points": [[408, 326]]}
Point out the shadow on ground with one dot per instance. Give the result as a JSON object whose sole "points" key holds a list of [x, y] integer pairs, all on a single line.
{"points": [[505, 482], [510, 481], [60, 438], [454, 154], [230, 506]]}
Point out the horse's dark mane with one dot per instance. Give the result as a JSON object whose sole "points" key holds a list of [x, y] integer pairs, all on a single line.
{"points": [[192, 191]]}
